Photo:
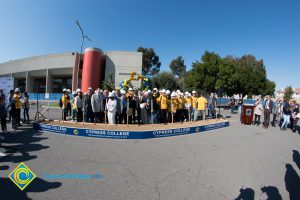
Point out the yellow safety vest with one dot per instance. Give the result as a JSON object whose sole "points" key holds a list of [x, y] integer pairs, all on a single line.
{"points": [[163, 102], [173, 105], [180, 102], [201, 101], [17, 100], [65, 100], [194, 101]]}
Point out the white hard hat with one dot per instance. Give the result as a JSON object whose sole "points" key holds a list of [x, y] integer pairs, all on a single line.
{"points": [[194, 92], [163, 91], [17, 90], [78, 90], [149, 91], [178, 91], [101, 90], [186, 93], [168, 92], [142, 105], [173, 94], [110, 94], [64, 90], [123, 92], [155, 89], [130, 89], [90, 88], [69, 90]]}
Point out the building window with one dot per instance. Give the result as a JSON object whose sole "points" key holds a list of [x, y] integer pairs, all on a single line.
{"points": [[59, 83], [40, 85], [21, 84]]}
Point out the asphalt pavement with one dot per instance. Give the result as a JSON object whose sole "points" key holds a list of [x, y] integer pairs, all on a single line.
{"points": [[237, 162]]}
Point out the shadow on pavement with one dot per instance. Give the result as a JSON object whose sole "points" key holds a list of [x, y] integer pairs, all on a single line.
{"points": [[246, 194], [296, 158], [292, 179], [271, 192], [10, 191], [18, 148]]}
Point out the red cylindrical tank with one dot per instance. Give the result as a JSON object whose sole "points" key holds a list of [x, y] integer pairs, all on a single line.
{"points": [[93, 69]]}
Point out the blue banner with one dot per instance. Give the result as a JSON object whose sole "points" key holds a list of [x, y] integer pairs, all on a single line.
{"points": [[117, 134]]}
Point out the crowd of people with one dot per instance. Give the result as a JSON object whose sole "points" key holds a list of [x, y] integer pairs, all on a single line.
{"points": [[141, 107], [11, 107], [284, 113]]}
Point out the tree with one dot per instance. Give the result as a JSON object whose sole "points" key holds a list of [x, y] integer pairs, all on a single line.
{"points": [[227, 76], [165, 80], [109, 83], [251, 76], [288, 93], [177, 66], [204, 73], [151, 64], [269, 88]]}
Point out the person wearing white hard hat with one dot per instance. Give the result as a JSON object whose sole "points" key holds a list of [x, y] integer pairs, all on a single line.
{"points": [[163, 103], [79, 105], [17, 97], [87, 106], [111, 108], [187, 106], [173, 107], [74, 109], [64, 103], [144, 105], [180, 108]]}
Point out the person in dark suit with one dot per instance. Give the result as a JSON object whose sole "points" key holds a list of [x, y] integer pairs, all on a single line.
{"points": [[267, 112]]}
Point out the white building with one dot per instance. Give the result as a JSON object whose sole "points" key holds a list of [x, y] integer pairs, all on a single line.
{"points": [[51, 73]]}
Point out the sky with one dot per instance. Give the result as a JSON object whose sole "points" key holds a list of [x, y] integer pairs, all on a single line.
{"points": [[267, 29]]}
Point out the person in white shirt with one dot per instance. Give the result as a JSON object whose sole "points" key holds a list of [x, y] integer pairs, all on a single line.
{"points": [[111, 108]]}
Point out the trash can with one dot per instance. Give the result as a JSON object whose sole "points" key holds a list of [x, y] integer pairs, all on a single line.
{"points": [[247, 114]]}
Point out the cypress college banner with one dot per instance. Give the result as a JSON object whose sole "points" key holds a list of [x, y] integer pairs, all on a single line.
{"points": [[128, 134]]}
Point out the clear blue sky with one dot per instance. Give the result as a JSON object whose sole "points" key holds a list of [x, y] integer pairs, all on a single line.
{"points": [[270, 30]]}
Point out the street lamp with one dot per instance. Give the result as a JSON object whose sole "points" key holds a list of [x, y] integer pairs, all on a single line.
{"points": [[82, 39]]}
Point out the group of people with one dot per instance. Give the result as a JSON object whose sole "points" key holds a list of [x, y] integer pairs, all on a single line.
{"points": [[284, 113], [141, 107], [11, 107]]}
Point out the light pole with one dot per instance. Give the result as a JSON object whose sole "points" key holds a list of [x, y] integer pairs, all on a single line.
{"points": [[82, 39]]}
